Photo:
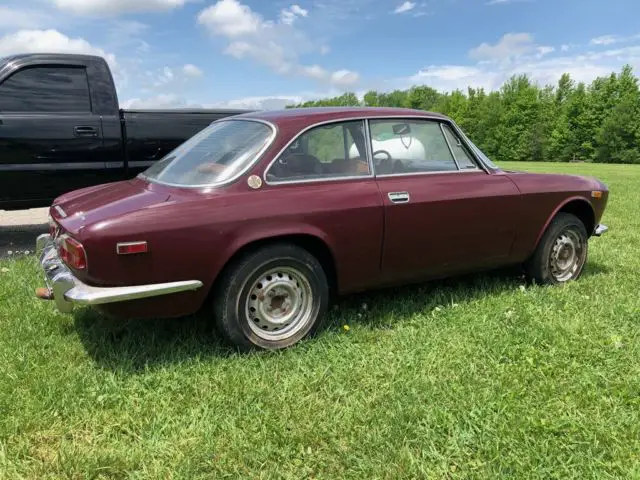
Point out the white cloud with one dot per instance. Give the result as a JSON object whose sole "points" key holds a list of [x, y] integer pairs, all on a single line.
{"points": [[165, 77], [230, 18], [548, 70], [314, 71], [544, 50], [126, 35], [114, 7], [510, 45], [405, 7], [504, 2], [275, 102], [160, 101], [49, 41], [289, 15], [275, 44], [191, 70], [344, 78], [604, 40]]}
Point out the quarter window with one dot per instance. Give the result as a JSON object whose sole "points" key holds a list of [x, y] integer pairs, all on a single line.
{"points": [[463, 157], [329, 151], [45, 90], [409, 146]]}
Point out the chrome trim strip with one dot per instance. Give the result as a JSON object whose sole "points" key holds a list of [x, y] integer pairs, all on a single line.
{"points": [[249, 166], [60, 211], [600, 230], [439, 172], [68, 290], [465, 147], [323, 179], [465, 140], [453, 155], [337, 120], [369, 147], [367, 119]]}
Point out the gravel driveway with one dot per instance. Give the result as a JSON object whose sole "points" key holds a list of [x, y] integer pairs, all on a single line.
{"points": [[19, 229]]}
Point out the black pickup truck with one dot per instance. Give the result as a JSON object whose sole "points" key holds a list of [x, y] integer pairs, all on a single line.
{"points": [[61, 128]]}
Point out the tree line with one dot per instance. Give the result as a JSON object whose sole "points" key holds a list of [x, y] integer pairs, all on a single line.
{"points": [[523, 121]]}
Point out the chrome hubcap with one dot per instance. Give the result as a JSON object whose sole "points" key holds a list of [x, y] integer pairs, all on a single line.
{"points": [[567, 256], [279, 304]]}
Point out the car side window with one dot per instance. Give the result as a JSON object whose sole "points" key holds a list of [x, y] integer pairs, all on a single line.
{"points": [[46, 90], [336, 150], [402, 146], [463, 157]]}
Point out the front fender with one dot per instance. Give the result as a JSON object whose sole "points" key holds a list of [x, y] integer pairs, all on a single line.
{"points": [[559, 208]]}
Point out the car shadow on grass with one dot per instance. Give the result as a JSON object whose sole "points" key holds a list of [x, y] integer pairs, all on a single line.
{"points": [[135, 346]]}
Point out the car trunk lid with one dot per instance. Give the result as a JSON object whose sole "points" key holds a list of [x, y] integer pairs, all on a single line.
{"points": [[80, 208]]}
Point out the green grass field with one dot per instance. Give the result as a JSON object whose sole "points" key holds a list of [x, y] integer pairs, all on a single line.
{"points": [[476, 377]]}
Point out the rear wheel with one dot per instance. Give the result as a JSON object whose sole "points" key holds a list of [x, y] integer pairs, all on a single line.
{"points": [[562, 252], [271, 298]]}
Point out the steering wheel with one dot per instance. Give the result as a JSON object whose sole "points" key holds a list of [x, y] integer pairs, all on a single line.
{"points": [[383, 152]]}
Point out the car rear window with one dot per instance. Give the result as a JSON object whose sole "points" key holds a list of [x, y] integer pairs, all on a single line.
{"points": [[217, 154]]}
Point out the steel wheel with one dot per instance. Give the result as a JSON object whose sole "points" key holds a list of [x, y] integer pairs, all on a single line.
{"points": [[280, 303], [567, 256]]}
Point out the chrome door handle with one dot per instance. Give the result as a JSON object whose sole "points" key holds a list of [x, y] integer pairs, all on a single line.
{"points": [[399, 197]]}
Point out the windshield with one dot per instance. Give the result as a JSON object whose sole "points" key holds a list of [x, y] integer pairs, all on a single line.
{"points": [[216, 154]]}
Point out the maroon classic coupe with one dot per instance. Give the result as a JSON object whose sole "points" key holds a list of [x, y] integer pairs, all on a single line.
{"points": [[263, 216]]}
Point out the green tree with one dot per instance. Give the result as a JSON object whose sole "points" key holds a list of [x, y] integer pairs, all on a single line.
{"points": [[525, 121]]}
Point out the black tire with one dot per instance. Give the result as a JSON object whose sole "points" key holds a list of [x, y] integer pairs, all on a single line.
{"points": [[543, 267], [296, 273]]}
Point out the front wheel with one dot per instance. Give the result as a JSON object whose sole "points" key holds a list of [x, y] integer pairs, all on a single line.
{"points": [[562, 252], [271, 298]]}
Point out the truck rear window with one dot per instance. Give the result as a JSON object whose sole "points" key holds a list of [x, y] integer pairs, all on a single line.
{"points": [[217, 154]]}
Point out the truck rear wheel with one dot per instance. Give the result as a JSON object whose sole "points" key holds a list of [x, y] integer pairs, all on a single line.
{"points": [[271, 298]]}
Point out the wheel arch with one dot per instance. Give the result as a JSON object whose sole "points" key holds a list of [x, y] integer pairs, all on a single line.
{"points": [[311, 242], [578, 206]]}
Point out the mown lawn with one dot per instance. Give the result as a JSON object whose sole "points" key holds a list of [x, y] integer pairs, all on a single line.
{"points": [[477, 377]]}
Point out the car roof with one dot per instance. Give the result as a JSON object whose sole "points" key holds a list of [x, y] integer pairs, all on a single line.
{"points": [[304, 117]]}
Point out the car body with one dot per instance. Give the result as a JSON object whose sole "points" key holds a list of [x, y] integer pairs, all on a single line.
{"points": [[332, 184]]}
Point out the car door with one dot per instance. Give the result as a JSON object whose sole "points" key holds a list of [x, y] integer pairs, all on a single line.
{"points": [[50, 140], [323, 183], [443, 213]]}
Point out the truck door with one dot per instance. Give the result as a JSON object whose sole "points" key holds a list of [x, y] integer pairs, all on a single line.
{"points": [[50, 138]]}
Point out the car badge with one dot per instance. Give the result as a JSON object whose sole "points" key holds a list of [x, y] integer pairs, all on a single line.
{"points": [[254, 181]]}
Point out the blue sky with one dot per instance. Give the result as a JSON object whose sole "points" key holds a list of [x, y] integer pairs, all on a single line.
{"points": [[264, 54]]}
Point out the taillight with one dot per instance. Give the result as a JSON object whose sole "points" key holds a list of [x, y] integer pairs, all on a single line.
{"points": [[72, 253]]}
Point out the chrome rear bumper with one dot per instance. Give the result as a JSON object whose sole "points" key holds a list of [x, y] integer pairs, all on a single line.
{"points": [[66, 290], [600, 230]]}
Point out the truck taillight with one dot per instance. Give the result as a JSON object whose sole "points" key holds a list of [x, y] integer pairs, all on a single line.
{"points": [[72, 253]]}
